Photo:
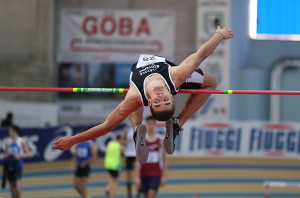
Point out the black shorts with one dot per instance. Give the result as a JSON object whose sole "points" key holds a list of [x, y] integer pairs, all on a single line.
{"points": [[15, 174], [150, 182], [195, 81], [130, 163], [82, 172], [113, 173]]}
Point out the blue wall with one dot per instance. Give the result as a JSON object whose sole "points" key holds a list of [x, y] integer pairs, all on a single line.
{"points": [[251, 62]]}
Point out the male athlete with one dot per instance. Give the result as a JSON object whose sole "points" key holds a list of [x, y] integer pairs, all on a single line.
{"points": [[153, 81]]}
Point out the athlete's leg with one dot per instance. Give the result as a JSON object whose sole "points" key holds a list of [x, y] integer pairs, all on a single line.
{"points": [[77, 185], [114, 186], [137, 117], [18, 189], [13, 190], [128, 180], [139, 135], [142, 151], [153, 186], [108, 188], [151, 193], [198, 80], [84, 187], [195, 101]]}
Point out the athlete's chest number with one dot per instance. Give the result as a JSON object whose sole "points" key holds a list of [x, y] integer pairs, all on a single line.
{"points": [[149, 58], [82, 152]]}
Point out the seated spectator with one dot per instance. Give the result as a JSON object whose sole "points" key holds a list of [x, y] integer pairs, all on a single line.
{"points": [[8, 121]]}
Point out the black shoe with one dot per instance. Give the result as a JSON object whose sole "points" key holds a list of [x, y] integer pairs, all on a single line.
{"points": [[173, 130], [139, 137]]}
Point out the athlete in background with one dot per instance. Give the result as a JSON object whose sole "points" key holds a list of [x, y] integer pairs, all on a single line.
{"points": [[16, 149], [85, 153], [129, 157], [151, 175], [112, 163]]}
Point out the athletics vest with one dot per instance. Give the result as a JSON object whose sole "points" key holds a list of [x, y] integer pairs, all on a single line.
{"points": [[112, 159], [83, 152], [147, 66], [153, 165], [15, 148]]}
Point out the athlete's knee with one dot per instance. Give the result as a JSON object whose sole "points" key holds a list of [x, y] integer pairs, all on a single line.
{"points": [[214, 83], [211, 82], [76, 184]]}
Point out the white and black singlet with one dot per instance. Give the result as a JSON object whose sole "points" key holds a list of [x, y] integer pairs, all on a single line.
{"points": [[149, 65]]}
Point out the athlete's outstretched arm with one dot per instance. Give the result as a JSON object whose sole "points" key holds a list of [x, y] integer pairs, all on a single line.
{"points": [[119, 114], [190, 64]]}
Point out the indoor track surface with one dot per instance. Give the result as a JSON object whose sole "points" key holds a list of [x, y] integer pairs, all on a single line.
{"points": [[187, 178]]}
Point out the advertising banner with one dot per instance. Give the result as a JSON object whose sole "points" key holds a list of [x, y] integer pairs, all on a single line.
{"points": [[211, 14], [40, 140], [199, 139], [97, 48], [115, 35], [239, 139]]}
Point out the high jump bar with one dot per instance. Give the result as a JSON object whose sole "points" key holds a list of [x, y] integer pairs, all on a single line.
{"points": [[124, 90]]}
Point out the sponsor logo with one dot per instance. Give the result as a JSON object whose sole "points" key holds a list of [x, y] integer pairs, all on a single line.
{"points": [[274, 140], [215, 138], [51, 154]]}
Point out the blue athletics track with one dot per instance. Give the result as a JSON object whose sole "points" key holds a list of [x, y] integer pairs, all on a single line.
{"points": [[187, 178]]}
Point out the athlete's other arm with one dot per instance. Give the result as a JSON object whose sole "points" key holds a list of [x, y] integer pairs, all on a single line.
{"points": [[94, 152], [130, 104], [190, 64], [5, 153], [26, 150]]}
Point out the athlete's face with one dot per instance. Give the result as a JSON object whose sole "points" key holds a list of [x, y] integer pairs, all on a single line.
{"points": [[160, 100], [151, 125], [11, 132]]}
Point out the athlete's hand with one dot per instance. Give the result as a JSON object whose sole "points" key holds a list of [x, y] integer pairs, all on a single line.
{"points": [[83, 164], [17, 157], [64, 143], [138, 183], [163, 181], [72, 167], [227, 33], [5, 155]]}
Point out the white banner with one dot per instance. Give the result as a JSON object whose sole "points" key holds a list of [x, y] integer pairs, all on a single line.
{"points": [[29, 114], [211, 14], [238, 139], [98, 47], [115, 35]]}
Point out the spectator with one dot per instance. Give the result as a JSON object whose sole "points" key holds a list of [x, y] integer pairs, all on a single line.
{"points": [[85, 153], [15, 150], [8, 121], [112, 163], [129, 157], [152, 174]]}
